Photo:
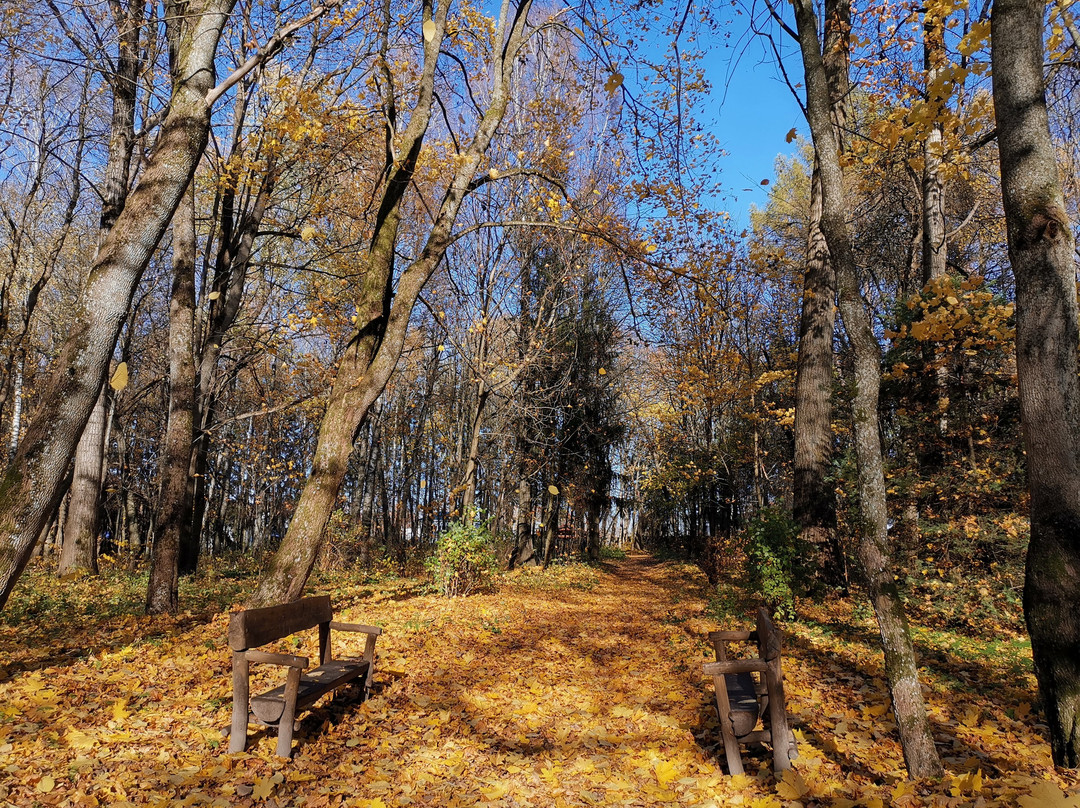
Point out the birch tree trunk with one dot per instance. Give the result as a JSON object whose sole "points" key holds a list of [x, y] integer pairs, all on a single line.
{"points": [[1041, 251]]}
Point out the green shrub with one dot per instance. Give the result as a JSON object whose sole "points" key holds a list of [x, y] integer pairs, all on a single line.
{"points": [[772, 555], [612, 553], [464, 558]]}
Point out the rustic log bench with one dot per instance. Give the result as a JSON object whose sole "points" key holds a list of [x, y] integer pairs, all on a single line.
{"points": [[742, 697], [278, 707]]}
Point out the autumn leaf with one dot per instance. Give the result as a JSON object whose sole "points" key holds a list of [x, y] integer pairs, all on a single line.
{"points": [[792, 786], [119, 378], [264, 786], [791, 135], [666, 772], [79, 740], [119, 710], [1047, 795], [430, 29], [614, 82]]}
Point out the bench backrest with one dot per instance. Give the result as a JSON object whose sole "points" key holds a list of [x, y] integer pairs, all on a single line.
{"points": [[768, 636], [254, 627]]}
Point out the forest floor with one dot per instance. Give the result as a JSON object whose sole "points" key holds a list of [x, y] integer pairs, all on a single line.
{"points": [[576, 686]]}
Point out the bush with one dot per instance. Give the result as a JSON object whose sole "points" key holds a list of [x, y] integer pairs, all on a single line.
{"points": [[464, 558], [772, 554]]}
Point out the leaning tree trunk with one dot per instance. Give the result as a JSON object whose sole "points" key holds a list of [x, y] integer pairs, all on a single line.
{"points": [[824, 85], [85, 496], [383, 308], [30, 489], [1041, 251], [173, 515], [79, 551]]}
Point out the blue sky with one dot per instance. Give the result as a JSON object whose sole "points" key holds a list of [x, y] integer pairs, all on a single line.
{"points": [[754, 111]]}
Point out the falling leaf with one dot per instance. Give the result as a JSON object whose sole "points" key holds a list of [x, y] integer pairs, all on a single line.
{"points": [[614, 82], [602, 372], [764, 182], [308, 233], [429, 30], [119, 378], [553, 490], [791, 135], [214, 295]]}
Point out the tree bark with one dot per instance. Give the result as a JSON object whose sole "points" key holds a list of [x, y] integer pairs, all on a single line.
{"points": [[173, 516], [814, 502], [383, 310], [823, 90], [30, 489], [79, 551], [1041, 251]]}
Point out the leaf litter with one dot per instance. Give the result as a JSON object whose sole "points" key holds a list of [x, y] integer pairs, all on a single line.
{"points": [[572, 687]]}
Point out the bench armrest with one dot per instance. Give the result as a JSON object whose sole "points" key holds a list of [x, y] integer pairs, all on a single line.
{"points": [[736, 666], [374, 630], [288, 660], [732, 636]]}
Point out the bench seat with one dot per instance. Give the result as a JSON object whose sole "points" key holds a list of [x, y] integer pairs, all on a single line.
{"points": [[269, 706], [743, 699]]}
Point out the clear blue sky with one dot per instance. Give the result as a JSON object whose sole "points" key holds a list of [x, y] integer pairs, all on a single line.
{"points": [[753, 112]]}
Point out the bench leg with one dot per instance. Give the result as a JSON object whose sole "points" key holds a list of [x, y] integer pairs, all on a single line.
{"points": [[727, 732], [783, 739], [238, 729], [288, 715]]}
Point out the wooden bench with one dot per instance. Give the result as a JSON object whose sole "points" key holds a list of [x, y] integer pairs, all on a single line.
{"points": [[278, 707], [747, 689]]}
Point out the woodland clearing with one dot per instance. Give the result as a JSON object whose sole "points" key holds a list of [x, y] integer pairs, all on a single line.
{"points": [[581, 685]]}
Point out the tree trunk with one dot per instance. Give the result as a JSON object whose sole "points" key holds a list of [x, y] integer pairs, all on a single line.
{"points": [[383, 307], [523, 552], [174, 513], [550, 525], [825, 87], [813, 498], [1041, 251], [468, 495], [79, 552], [31, 486]]}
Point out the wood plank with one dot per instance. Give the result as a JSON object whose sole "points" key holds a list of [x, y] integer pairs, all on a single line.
{"points": [[730, 636], [736, 666], [269, 706], [254, 627]]}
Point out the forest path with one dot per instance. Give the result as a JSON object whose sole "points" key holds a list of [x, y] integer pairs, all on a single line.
{"points": [[568, 687]]}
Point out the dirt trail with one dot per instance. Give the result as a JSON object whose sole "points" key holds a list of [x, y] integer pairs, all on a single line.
{"points": [[549, 697]]}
